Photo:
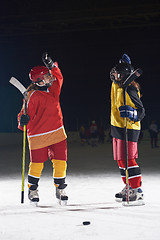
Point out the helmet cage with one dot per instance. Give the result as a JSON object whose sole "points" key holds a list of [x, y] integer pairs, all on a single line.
{"points": [[40, 74], [120, 72], [115, 76], [42, 79]]}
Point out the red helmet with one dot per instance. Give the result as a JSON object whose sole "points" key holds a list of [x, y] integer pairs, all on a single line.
{"points": [[37, 73]]}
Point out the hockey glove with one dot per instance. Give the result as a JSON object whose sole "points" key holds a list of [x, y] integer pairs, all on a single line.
{"points": [[24, 120], [125, 59], [129, 112], [47, 61]]}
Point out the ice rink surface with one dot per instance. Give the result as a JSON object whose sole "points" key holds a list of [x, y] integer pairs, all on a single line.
{"points": [[93, 179]]}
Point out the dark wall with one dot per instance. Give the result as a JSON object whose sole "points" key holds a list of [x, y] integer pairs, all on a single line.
{"points": [[85, 58]]}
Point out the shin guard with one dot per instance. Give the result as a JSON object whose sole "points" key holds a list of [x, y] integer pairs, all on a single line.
{"points": [[35, 170], [59, 171]]}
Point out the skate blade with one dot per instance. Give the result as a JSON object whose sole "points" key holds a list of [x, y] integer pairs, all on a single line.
{"points": [[35, 204], [62, 202], [133, 203]]}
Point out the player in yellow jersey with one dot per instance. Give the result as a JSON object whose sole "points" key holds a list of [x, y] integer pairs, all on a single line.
{"points": [[134, 112]]}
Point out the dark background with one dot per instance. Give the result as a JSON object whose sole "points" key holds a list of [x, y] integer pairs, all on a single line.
{"points": [[87, 38]]}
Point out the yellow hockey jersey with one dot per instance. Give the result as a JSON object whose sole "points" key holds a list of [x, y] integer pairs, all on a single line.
{"points": [[117, 122]]}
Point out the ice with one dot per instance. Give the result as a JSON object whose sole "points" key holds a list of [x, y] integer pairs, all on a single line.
{"points": [[93, 179], [91, 198]]}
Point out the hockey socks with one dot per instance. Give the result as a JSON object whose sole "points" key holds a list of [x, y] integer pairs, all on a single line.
{"points": [[134, 173]]}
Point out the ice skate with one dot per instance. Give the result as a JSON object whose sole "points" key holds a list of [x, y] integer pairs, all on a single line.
{"points": [[135, 198], [61, 195], [119, 196], [33, 196]]}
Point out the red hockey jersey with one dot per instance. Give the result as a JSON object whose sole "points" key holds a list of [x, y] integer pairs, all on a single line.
{"points": [[46, 121]]}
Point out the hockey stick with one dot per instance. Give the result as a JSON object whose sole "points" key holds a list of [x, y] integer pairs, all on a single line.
{"points": [[18, 85], [23, 90], [137, 73]]}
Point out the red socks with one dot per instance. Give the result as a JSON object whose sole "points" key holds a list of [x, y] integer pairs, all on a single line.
{"points": [[134, 173]]}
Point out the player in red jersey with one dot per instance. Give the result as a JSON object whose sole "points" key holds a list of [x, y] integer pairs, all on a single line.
{"points": [[45, 130]]}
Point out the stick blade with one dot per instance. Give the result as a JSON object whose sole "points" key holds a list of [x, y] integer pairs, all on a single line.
{"points": [[137, 73], [18, 85]]}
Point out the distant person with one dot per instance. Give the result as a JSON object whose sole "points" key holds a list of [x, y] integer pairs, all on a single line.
{"points": [[82, 135], [87, 135], [93, 133], [153, 130], [134, 112], [45, 130]]}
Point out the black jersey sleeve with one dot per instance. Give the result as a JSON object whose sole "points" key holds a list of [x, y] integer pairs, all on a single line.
{"points": [[133, 94]]}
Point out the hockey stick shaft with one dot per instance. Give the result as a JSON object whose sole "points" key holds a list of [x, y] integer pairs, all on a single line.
{"points": [[23, 163], [137, 73], [126, 149], [24, 149], [23, 90]]}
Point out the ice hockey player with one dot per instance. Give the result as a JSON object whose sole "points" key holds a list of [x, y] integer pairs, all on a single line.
{"points": [[134, 112], [45, 130]]}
